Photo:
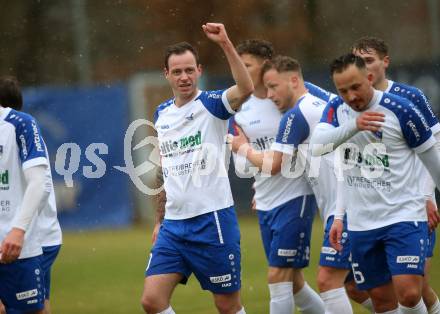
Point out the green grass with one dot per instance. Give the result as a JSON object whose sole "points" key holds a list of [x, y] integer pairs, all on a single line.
{"points": [[103, 272]]}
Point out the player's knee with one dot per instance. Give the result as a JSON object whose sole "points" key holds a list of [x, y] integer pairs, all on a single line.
{"points": [[228, 307], [410, 296], [152, 304], [354, 293], [324, 280]]}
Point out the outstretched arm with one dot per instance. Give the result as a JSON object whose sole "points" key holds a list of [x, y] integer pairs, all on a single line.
{"points": [[244, 87]]}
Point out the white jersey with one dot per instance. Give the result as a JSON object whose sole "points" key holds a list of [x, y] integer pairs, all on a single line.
{"points": [[192, 141], [259, 119], [48, 224], [21, 147], [381, 186], [295, 129]]}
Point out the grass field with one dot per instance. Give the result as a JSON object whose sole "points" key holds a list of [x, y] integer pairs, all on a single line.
{"points": [[103, 272]]}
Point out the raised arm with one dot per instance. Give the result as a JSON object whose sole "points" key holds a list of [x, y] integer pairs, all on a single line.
{"points": [[238, 93]]}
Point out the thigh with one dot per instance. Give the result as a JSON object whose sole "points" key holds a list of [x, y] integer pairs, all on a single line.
{"points": [[50, 253], [329, 257], [405, 245], [20, 288], [160, 287], [369, 259]]}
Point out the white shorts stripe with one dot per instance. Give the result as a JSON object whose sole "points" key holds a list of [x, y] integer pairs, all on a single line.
{"points": [[219, 230], [303, 206]]}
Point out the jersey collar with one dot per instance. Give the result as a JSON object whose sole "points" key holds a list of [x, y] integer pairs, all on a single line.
{"points": [[390, 84], [4, 113]]}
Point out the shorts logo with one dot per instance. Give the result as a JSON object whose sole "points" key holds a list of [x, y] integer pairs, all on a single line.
{"points": [[231, 257], [328, 250], [282, 252], [27, 294], [408, 259], [220, 279]]}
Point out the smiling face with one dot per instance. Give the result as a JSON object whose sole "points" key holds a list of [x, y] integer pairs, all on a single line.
{"points": [[280, 88], [375, 64], [183, 73], [354, 85]]}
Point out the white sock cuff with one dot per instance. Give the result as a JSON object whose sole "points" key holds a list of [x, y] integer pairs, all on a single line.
{"points": [[415, 309], [395, 311], [304, 290], [169, 310], [368, 304], [242, 311], [280, 288], [332, 293], [435, 308]]}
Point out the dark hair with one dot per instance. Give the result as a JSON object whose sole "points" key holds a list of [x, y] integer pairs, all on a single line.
{"points": [[10, 93], [366, 43], [282, 64], [178, 49], [343, 62], [256, 47]]}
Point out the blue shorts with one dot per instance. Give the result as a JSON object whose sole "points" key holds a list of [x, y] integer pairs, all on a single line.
{"points": [[207, 245], [381, 253], [22, 286], [50, 253], [431, 244], [329, 256], [286, 231]]}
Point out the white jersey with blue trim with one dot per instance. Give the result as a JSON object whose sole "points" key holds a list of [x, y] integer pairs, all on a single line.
{"points": [[192, 144], [21, 147], [295, 129], [259, 118], [381, 186], [419, 99]]}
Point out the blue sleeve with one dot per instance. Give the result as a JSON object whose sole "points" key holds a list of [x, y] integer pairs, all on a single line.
{"points": [[28, 136], [329, 115], [414, 127], [216, 103], [293, 128], [424, 106], [231, 126], [318, 91]]}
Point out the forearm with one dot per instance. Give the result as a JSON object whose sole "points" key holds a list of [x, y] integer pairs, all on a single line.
{"points": [[326, 138], [161, 197], [244, 86], [37, 192], [431, 159]]}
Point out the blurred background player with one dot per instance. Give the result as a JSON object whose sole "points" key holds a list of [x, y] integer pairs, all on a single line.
{"points": [[374, 51], [385, 209], [24, 190], [199, 232], [278, 199], [48, 225]]}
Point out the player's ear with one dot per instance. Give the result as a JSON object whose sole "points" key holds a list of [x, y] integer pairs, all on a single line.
{"points": [[165, 72], [386, 61], [199, 68]]}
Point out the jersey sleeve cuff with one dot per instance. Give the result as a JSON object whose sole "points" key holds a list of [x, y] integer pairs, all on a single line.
{"points": [[435, 128], [35, 162], [227, 104], [283, 148], [426, 145]]}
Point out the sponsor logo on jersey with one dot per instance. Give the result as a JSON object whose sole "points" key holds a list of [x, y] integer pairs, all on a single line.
{"points": [[214, 95], [288, 127], [328, 250], [284, 252], [26, 294], [190, 117], [37, 138], [263, 143], [23, 146], [4, 180], [366, 159], [171, 146], [220, 279], [407, 259]]}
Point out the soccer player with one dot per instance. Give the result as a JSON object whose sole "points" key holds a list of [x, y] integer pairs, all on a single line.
{"points": [[199, 233], [383, 135], [24, 190], [48, 225], [278, 199], [374, 51]]}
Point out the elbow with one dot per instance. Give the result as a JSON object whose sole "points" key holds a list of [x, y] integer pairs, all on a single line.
{"points": [[276, 168]]}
